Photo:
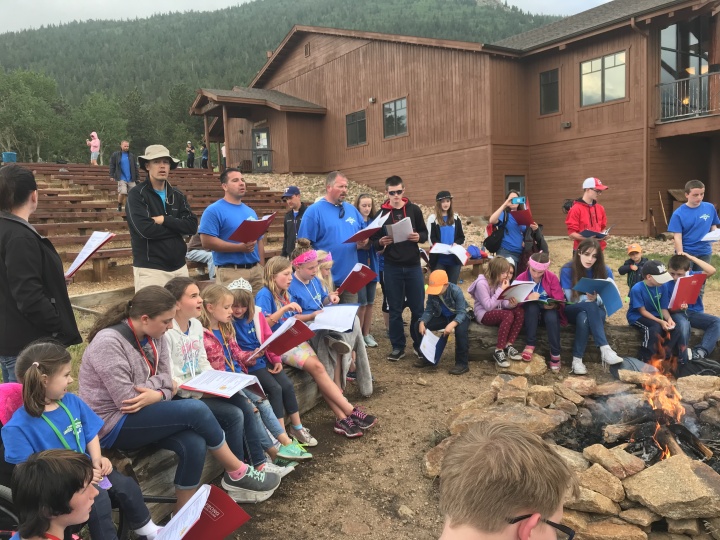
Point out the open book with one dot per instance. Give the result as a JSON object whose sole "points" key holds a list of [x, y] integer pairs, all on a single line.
{"points": [[374, 226], [252, 229], [401, 230], [687, 290], [360, 276], [340, 318], [223, 383], [606, 288], [432, 346], [455, 249], [523, 217], [290, 334], [712, 236], [518, 290], [587, 233], [96, 241]]}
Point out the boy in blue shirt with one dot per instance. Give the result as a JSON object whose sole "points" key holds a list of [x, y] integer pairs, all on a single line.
{"points": [[692, 221], [648, 309], [693, 315]]}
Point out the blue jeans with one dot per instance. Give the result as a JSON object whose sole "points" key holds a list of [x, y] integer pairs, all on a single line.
{"points": [[533, 312], [452, 271], [462, 342], [696, 268], [202, 256], [186, 427], [502, 252], [702, 321], [266, 414], [126, 492], [588, 318], [404, 286], [279, 390], [7, 363]]}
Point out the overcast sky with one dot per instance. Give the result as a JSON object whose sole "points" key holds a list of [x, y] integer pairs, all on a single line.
{"points": [[21, 14]]}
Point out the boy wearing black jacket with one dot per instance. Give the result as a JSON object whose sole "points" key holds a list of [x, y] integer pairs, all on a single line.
{"points": [[633, 266], [404, 283]]}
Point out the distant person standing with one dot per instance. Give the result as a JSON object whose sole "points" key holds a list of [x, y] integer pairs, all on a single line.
{"points": [[205, 156], [293, 218], [690, 222], [587, 213], [190, 149], [123, 169], [224, 162], [94, 143], [158, 216]]}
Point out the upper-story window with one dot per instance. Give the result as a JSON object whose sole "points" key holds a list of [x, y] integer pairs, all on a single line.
{"points": [[356, 128], [685, 49], [602, 79], [395, 118], [549, 92]]}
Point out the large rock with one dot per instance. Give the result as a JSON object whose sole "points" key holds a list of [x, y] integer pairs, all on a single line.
{"points": [[611, 530], [588, 500], [534, 368], [512, 394], [569, 394], [711, 416], [577, 521], [531, 419], [584, 386], [695, 387], [540, 396], [622, 403], [612, 388], [432, 462], [677, 488], [485, 399], [668, 536], [619, 463], [713, 527], [499, 382], [597, 478], [572, 459], [565, 405], [685, 526], [640, 516]]}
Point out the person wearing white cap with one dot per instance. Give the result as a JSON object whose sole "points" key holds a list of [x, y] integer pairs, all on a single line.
{"points": [[587, 213], [158, 216], [190, 149]]}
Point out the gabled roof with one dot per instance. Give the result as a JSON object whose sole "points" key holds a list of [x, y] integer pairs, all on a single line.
{"points": [[210, 99], [603, 16]]}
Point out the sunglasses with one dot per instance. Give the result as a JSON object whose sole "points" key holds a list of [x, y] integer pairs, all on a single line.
{"points": [[398, 192], [563, 532], [341, 214]]}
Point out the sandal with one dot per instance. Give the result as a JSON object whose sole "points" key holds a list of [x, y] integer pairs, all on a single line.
{"points": [[528, 353], [554, 363]]}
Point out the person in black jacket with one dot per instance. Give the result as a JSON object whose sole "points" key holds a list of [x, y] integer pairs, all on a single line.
{"points": [[445, 226], [34, 301], [292, 219], [124, 171], [158, 216], [402, 273]]}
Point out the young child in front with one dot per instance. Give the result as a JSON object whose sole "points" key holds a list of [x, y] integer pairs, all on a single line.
{"points": [[693, 315], [445, 227], [648, 311], [51, 491], [632, 266], [274, 302], [499, 481], [368, 256], [53, 418], [552, 314], [491, 311], [446, 310], [224, 354]]}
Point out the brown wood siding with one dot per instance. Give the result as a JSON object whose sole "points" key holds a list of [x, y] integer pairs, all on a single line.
{"points": [[306, 153], [557, 170], [509, 101]]}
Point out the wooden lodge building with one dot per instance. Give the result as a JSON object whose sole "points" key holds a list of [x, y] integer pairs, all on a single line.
{"points": [[628, 92]]}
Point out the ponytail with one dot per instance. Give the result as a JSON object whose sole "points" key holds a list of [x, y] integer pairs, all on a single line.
{"points": [[40, 358]]}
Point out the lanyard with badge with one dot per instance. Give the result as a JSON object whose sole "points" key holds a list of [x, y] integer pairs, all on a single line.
{"points": [[152, 366], [60, 436], [655, 301]]}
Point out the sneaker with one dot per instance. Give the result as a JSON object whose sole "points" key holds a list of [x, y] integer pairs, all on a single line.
{"points": [[609, 356], [280, 462], [395, 355], [512, 353], [554, 363], [347, 427], [338, 345], [362, 419], [254, 487], [578, 368], [698, 353], [458, 369], [423, 363], [281, 471], [418, 352], [119, 207], [370, 341], [500, 360], [351, 376], [303, 436], [294, 451]]}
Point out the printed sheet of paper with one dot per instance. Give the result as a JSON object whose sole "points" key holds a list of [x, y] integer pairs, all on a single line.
{"points": [[428, 346], [374, 226], [518, 290], [401, 230], [445, 249], [222, 383], [712, 236], [186, 517], [339, 318], [96, 241]]}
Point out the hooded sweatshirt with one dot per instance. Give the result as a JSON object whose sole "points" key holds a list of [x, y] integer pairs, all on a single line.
{"points": [[586, 216], [94, 143], [551, 283], [486, 298], [405, 254]]}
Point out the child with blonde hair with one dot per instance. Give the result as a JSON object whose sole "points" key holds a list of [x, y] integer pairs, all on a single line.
{"points": [[368, 256], [325, 264]]}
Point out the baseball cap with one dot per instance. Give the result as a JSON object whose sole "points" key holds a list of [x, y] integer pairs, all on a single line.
{"points": [[634, 247], [594, 183], [443, 195], [438, 278], [291, 190], [657, 270]]}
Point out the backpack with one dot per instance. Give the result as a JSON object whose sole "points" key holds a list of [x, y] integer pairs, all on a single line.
{"points": [[699, 366], [494, 240], [567, 205]]}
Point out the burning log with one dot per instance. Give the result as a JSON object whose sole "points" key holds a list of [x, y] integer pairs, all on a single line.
{"points": [[666, 439]]}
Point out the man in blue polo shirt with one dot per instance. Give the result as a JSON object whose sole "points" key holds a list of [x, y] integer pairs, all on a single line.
{"points": [[232, 259], [331, 221]]}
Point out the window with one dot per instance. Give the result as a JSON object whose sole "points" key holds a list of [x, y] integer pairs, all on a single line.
{"points": [[395, 118], [356, 128], [307, 49], [602, 79], [515, 184], [549, 92], [684, 49]]}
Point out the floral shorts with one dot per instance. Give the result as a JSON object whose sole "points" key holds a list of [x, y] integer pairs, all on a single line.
{"points": [[298, 356]]}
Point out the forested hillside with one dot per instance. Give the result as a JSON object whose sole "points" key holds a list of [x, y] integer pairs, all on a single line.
{"points": [[138, 77]]}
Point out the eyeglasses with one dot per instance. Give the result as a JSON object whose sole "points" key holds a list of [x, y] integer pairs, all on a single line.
{"points": [[598, 191], [398, 192], [342, 210], [562, 532]]}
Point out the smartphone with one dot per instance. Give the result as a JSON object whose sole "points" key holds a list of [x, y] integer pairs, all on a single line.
{"points": [[518, 200]]}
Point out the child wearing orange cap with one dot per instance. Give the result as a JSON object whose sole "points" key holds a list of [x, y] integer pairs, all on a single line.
{"points": [[633, 266]]}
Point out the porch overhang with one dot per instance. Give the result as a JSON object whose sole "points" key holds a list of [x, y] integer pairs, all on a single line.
{"points": [[702, 126], [242, 102]]}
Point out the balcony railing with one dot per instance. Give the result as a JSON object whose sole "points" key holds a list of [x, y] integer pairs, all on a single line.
{"points": [[689, 98]]}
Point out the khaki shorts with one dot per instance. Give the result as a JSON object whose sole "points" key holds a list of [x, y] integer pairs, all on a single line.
{"points": [[225, 276], [150, 276], [124, 187]]}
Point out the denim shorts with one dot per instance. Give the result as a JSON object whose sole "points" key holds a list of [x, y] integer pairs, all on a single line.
{"points": [[366, 295]]}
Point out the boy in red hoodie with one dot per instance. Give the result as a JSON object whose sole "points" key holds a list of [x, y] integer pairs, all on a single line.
{"points": [[587, 213]]}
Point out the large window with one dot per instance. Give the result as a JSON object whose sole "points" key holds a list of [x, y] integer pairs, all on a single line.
{"points": [[549, 92], [602, 79], [356, 128], [684, 49], [395, 118]]}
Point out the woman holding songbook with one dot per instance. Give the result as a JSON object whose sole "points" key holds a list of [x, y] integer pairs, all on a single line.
{"points": [[586, 311], [445, 227]]}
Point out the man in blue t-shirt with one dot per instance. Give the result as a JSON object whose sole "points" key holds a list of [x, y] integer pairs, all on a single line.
{"points": [[331, 221], [692, 221], [124, 171], [232, 259]]}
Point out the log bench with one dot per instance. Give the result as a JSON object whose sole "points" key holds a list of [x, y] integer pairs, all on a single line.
{"points": [[476, 266]]}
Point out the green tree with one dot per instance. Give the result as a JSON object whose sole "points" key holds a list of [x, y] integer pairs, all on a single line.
{"points": [[103, 115]]}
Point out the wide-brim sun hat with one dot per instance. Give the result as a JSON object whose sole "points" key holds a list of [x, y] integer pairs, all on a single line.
{"points": [[156, 151]]}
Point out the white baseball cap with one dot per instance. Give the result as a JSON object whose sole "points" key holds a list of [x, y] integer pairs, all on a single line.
{"points": [[594, 183]]}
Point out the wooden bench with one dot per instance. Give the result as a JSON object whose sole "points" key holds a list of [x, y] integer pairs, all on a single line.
{"points": [[101, 260], [81, 239], [476, 265], [84, 228]]}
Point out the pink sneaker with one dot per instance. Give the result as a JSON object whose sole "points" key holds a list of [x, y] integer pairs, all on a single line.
{"points": [[555, 363], [527, 353]]}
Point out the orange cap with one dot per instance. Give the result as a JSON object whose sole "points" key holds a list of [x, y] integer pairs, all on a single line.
{"points": [[438, 278], [634, 247]]}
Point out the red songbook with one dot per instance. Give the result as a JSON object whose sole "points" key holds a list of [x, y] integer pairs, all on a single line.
{"points": [[374, 226], [290, 334], [252, 229], [523, 217], [360, 276], [687, 290], [220, 517]]}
